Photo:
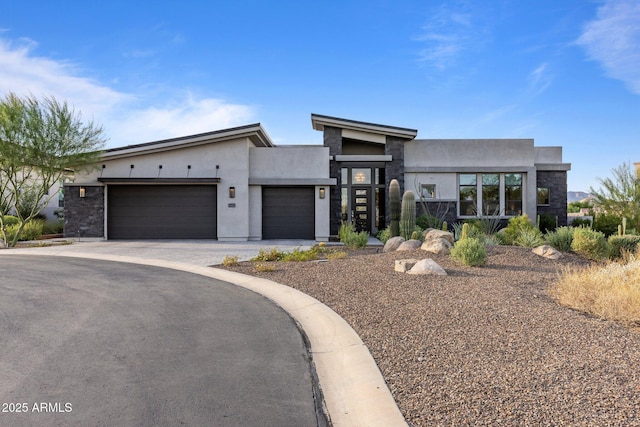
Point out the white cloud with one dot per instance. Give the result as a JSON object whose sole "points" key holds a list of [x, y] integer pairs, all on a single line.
{"points": [[128, 118], [613, 39], [539, 79]]}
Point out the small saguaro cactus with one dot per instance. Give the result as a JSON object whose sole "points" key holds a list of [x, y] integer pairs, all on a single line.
{"points": [[394, 207], [408, 215], [445, 226], [465, 231]]}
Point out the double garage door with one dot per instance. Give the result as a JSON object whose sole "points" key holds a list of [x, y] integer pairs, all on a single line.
{"points": [[162, 212], [190, 212]]}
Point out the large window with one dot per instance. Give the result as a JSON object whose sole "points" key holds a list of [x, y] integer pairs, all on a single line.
{"points": [[490, 194]]}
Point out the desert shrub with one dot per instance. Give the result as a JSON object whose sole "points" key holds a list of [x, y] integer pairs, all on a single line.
{"points": [[32, 230], [621, 244], [589, 243], [607, 224], [272, 254], [581, 222], [229, 260], [515, 227], [10, 220], [529, 238], [469, 251], [384, 235], [560, 238], [264, 268], [547, 223], [53, 227], [425, 221], [351, 238], [300, 256], [610, 292]]}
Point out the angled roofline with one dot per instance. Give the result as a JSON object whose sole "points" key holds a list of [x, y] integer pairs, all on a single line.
{"points": [[255, 132], [319, 122]]}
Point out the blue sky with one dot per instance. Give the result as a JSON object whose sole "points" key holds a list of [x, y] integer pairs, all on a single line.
{"points": [[562, 72]]}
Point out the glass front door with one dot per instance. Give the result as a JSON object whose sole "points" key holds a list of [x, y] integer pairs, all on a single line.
{"points": [[361, 204]]}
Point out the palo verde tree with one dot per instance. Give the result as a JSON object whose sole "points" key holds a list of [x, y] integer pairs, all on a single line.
{"points": [[41, 140], [620, 195]]}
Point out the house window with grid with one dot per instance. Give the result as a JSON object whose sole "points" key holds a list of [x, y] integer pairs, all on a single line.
{"points": [[490, 194]]}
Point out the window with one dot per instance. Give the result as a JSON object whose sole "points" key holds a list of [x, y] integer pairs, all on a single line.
{"points": [[513, 194], [360, 176], [490, 194], [428, 191], [468, 194], [543, 196]]}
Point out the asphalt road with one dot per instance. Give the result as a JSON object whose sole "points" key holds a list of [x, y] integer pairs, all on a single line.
{"points": [[86, 342]]}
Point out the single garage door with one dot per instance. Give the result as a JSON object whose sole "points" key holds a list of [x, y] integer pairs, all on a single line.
{"points": [[162, 212], [288, 213]]}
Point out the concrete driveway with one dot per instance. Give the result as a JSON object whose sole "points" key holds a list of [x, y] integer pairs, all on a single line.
{"points": [[91, 342], [352, 387]]}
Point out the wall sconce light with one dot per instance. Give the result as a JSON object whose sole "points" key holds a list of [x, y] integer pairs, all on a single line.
{"points": [[232, 192], [82, 192], [321, 192]]}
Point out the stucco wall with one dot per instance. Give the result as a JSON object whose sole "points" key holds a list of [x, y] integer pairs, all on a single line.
{"points": [[293, 162]]}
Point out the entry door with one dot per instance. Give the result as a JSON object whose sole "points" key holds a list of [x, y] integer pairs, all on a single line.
{"points": [[361, 205]]}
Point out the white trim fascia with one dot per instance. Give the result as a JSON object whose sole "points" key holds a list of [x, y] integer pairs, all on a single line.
{"points": [[363, 158], [542, 167], [319, 122]]}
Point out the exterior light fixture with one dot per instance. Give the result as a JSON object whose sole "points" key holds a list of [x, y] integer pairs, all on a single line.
{"points": [[359, 177], [232, 192], [321, 192], [82, 192]]}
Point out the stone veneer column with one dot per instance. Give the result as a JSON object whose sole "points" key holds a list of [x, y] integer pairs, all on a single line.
{"points": [[394, 169], [556, 182], [83, 217], [333, 139]]}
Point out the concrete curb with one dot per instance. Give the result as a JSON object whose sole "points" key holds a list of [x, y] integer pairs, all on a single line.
{"points": [[354, 390]]}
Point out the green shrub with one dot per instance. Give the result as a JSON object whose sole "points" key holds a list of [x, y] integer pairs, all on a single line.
{"points": [[469, 251], [351, 238], [32, 230], [300, 256], [547, 223], [515, 227], [607, 224], [581, 222], [268, 255], [425, 221], [529, 238], [10, 220], [53, 227], [621, 244], [589, 243], [230, 260], [560, 238], [384, 235]]}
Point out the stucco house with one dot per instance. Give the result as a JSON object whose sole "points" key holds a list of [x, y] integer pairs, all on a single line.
{"points": [[237, 185]]}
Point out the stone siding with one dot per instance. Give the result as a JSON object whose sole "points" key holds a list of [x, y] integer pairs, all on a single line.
{"points": [[444, 210], [394, 169], [556, 182], [333, 139], [83, 217]]}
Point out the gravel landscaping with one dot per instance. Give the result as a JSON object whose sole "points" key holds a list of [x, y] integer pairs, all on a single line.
{"points": [[483, 345]]}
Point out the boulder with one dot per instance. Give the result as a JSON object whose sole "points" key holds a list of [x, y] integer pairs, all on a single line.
{"points": [[392, 244], [547, 251], [404, 265], [437, 246], [409, 245], [434, 234], [427, 266]]}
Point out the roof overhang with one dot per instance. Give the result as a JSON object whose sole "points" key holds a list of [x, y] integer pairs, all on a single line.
{"points": [[319, 122], [255, 133], [192, 181]]}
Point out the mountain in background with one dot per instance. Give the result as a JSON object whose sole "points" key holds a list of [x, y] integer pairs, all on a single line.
{"points": [[576, 196]]}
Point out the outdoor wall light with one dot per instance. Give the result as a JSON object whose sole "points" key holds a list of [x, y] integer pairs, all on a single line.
{"points": [[321, 192], [82, 192], [232, 192]]}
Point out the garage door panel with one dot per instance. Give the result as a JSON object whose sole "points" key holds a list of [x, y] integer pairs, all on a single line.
{"points": [[288, 213], [162, 212]]}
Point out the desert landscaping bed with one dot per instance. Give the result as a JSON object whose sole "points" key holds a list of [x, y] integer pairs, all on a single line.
{"points": [[483, 345]]}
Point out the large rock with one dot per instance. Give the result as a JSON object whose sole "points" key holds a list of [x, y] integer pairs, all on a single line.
{"points": [[547, 251], [437, 246], [409, 245], [404, 265], [427, 266], [434, 234], [392, 244]]}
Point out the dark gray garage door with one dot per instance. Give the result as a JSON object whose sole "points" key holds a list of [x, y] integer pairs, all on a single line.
{"points": [[161, 212], [288, 213]]}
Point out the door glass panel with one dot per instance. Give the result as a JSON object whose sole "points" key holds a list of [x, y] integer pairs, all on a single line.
{"points": [[360, 176]]}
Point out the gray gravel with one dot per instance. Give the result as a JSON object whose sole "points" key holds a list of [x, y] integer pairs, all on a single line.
{"points": [[482, 346]]}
